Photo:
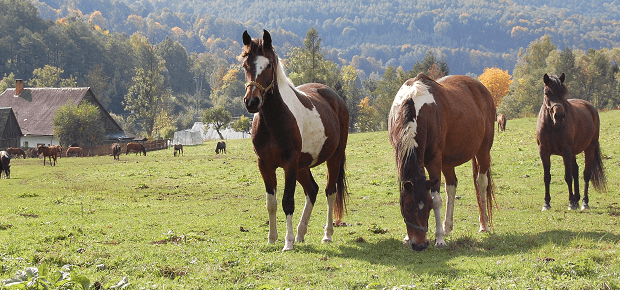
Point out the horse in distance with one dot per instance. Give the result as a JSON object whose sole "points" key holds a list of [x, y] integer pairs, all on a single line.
{"points": [[5, 164], [178, 148], [51, 153], [294, 128], [501, 122], [567, 127], [15, 151], [116, 151], [438, 125], [135, 148], [74, 152], [220, 147]]}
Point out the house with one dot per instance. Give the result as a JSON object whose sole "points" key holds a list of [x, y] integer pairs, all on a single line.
{"points": [[34, 109], [10, 133]]}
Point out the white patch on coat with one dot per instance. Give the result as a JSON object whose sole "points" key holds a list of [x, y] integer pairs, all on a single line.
{"points": [[260, 64], [419, 93], [309, 121], [421, 205]]}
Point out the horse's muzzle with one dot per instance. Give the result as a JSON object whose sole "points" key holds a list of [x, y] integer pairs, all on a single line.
{"points": [[419, 248], [252, 104]]}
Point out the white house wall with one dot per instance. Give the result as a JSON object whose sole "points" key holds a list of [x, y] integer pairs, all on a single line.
{"points": [[34, 140]]}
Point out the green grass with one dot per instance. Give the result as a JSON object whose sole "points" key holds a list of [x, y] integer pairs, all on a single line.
{"points": [[171, 223]]}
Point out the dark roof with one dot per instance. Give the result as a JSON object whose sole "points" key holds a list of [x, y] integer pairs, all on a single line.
{"points": [[6, 114], [34, 108]]}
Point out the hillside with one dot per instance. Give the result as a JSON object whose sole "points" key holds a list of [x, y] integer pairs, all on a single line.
{"points": [[371, 35]]}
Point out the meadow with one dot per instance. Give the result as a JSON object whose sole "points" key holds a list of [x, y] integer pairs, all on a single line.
{"points": [[199, 221]]}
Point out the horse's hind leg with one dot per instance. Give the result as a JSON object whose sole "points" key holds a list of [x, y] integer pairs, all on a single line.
{"points": [[481, 166], [311, 190], [333, 173]]}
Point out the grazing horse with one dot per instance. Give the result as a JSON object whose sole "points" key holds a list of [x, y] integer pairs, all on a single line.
{"points": [[74, 151], [439, 125], [220, 147], [178, 148], [567, 128], [501, 122], [14, 151], [135, 148], [295, 128], [116, 151], [5, 164], [47, 152], [58, 149]]}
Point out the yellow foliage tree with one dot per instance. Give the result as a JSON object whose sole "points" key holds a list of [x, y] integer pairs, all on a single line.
{"points": [[497, 81]]}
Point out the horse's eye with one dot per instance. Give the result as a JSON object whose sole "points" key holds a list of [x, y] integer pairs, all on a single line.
{"points": [[268, 65]]}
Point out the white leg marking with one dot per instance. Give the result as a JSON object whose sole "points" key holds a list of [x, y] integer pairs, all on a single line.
{"points": [[439, 232], [329, 225], [289, 238], [449, 222], [483, 182], [302, 228], [272, 206]]}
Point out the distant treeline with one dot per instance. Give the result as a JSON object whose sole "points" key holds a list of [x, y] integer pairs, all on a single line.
{"points": [[371, 35]]}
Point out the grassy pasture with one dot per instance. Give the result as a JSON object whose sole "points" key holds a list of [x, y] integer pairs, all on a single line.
{"points": [[199, 222]]}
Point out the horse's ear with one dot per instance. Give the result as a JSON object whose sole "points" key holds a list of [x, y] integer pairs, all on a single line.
{"points": [[546, 79], [562, 77], [431, 183], [247, 39], [266, 39]]}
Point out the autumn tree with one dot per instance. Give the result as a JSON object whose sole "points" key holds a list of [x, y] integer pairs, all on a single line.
{"points": [[497, 82], [78, 124], [367, 117], [219, 117], [243, 124]]}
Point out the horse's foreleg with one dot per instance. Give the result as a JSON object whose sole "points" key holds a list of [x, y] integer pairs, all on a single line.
{"points": [[288, 205], [311, 189], [269, 178], [568, 178], [546, 162], [575, 174], [451, 183]]}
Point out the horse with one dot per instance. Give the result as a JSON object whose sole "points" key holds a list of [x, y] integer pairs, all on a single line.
{"points": [[47, 152], [220, 147], [178, 148], [59, 149], [116, 151], [439, 125], [501, 122], [294, 128], [74, 151], [567, 127], [14, 151], [135, 148], [5, 164]]}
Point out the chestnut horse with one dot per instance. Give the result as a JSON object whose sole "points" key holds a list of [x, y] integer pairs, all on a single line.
{"points": [[295, 128], [567, 128], [15, 151], [439, 125], [50, 152], [501, 122], [74, 151], [178, 148], [136, 148]]}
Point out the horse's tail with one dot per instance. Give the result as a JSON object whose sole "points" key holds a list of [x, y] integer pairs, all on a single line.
{"points": [[598, 171], [489, 194], [342, 193]]}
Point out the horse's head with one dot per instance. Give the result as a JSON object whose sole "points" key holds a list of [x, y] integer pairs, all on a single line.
{"points": [[555, 97], [260, 63], [415, 206]]}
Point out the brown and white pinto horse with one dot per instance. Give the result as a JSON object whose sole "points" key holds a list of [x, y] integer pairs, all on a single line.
{"points": [[295, 129], [5, 164], [439, 125], [49, 152], [567, 128]]}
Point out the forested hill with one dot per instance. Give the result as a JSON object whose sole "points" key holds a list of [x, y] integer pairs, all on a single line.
{"points": [[469, 34]]}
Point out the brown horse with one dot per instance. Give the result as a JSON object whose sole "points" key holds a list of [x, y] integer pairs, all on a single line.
{"points": [[220, 147], [135, 148], [14, 151], [501, 122], [59, 149], [116, 151], [178, 148], [567, 128], [49, 152], [439, 125], [295, 129], [75, 152]]}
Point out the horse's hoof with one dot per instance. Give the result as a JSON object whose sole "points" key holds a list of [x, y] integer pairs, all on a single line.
{"points": [[440, 244], [299, 240], [326, 240], [573, 207], [287, 246], [546, 207], [585, 206]]}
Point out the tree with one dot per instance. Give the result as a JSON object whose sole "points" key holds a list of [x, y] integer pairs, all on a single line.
{"points": [[243, 124], [49, 77], [176, 60], [367, 116], [307, 65], [7, 82], [164, 127], [145, 97], [351, 93], [218, 117], [99, 83], [79, 124], [497, 81]]}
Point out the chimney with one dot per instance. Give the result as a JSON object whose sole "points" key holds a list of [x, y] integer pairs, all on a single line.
{"points": [[19, 86]]}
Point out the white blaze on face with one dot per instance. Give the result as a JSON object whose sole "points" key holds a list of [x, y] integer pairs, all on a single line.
{"points": [[260, 64], [308, 121], [418, 92]]}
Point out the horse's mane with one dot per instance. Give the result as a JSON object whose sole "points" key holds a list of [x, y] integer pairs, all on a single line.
{"points": [[283, 80]]}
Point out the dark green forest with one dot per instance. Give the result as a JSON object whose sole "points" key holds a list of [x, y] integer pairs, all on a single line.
{"points": [[186, 51]]}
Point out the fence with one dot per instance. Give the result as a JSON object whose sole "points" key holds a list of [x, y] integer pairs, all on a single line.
{"points": [[106, 149]]}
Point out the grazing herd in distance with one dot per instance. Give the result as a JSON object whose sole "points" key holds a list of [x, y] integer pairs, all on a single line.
{"points": [[53, 152]]}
